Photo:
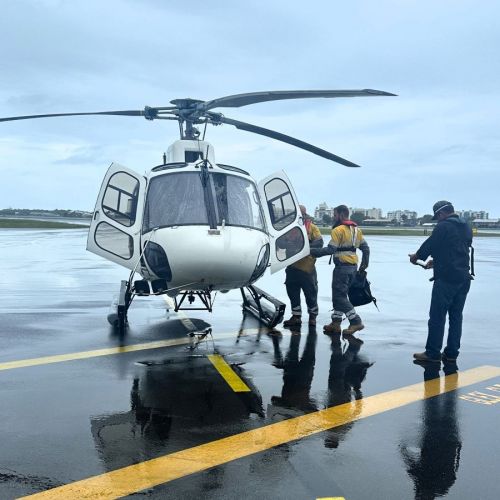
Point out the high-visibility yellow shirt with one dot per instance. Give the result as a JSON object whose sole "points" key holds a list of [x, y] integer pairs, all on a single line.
{"points": [[308, 262], [346, 239]]}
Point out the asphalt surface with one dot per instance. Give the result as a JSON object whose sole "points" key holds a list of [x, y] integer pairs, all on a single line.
{"points": [[69, 419]]}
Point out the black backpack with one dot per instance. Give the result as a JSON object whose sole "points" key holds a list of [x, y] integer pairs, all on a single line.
{"points": [[359, 291]]}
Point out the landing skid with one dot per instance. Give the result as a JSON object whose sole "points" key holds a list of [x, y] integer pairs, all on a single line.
{"points": [[269, 311], [204, 296], [117, 316], [261, 305]]}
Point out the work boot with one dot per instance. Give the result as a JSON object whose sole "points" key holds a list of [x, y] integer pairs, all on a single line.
{"points": [[353, 328], [293, 321], [312, 319], [333, 327], [423, 356]]}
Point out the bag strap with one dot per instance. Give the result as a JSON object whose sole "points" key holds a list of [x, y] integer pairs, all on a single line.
{"points": [[472, 260]]}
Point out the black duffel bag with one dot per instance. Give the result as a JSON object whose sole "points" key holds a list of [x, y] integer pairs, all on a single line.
{"points": [[359, 291]]}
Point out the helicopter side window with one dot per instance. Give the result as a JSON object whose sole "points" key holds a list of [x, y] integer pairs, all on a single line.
{"points": [[175, 199], [280, 202], [120, 198], [289, 244], [112, 240], [236, 201]]}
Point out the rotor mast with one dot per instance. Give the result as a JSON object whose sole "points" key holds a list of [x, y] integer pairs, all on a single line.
{"points": [[188, 112]]}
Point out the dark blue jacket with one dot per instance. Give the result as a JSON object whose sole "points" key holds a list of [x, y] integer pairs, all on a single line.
{"points": [[449, 246]]}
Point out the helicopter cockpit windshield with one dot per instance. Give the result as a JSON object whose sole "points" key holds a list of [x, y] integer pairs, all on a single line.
{"points": [[179, 199]]}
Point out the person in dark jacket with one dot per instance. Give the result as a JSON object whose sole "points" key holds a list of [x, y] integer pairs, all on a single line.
{"points": [[449, 246]]}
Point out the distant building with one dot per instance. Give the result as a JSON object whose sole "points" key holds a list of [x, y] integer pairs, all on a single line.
{"points": [[402, 216], [372, 213], [377, 222], [473, 214], [321, 210], [491, 223]]}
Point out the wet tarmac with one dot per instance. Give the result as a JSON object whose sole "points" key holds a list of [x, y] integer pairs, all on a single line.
{"points": [[83, 415]]}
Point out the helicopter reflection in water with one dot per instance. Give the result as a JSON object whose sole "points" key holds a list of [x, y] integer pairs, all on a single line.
{"points": [[432, 454], [347, 371], [175, 403]]}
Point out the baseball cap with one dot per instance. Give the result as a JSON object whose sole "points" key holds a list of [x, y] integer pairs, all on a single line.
{"points": [[439, 205]]}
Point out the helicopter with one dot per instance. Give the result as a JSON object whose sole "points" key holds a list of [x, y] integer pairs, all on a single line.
{"points": [[192, 226]]}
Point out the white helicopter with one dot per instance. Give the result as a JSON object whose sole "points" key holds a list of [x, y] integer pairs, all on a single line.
{"points": [[192, 226]]}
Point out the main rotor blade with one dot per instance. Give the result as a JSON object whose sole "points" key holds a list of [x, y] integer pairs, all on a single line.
{"points": [[119, 113], [238, 100], [286, 138]]}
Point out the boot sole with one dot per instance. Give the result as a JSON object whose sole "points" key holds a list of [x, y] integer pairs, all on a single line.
{"points": [[347, 332]]}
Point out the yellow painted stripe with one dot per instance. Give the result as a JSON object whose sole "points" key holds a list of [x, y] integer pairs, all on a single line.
{"points": [[228, 374], [134, 478], [190, 326], [59, 358]]}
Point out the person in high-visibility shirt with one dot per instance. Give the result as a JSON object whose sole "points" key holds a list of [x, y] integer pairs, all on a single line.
{"points": [[346, 238], [301, 275]]}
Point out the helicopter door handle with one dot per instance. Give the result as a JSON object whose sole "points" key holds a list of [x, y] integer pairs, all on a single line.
{"points": [[96, 213]]}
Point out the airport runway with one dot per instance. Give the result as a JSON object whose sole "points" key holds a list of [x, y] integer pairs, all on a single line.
{"points": [[252, 414]]}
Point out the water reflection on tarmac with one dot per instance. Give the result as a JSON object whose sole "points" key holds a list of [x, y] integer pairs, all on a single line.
{"points": [[75, 419]]}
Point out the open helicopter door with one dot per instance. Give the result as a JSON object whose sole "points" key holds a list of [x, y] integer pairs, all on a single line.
{"points": [[115, 229], [288, 235]]}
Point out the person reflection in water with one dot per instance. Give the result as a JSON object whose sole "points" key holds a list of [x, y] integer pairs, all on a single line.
{"points": [[433, 456], [297, 373], [347, 371]]}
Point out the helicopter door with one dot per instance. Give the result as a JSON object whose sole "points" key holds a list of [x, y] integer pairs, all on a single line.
{"points": [[285, 224], [115, 229]]}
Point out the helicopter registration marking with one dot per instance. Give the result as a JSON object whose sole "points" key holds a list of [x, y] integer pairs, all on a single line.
{"points": [[228, 374], [161, 470]]}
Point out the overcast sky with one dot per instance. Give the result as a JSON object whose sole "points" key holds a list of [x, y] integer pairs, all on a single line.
{"points": [[439, 139]]}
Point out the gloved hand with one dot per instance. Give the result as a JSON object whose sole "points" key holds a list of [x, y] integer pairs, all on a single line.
{"points": [[413, 258], [363, 267]]}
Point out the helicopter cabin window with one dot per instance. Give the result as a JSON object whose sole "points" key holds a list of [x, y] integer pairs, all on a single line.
{"points": [[237, 203], [113, 240], [175, 199], [120, 198], [289, 244], [178, 199], [280, 203]]}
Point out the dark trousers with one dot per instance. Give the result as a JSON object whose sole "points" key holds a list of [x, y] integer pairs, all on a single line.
{"points": [[447, 298], [297, 280], [342, 278]]}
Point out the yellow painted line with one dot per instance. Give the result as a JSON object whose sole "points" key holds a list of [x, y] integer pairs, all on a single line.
{"points": [[134, 478], [188, 324], [59, 358], [228, 374], [331, 498]]}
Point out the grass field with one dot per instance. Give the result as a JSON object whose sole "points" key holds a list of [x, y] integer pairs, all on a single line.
{"points": [[41, 224], [37, 224]]}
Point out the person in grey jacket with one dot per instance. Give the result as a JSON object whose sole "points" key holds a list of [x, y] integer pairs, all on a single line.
{"points": [[449, 246]]}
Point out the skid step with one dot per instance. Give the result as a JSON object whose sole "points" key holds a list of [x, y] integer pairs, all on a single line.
{"points": [[266, 308]]}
